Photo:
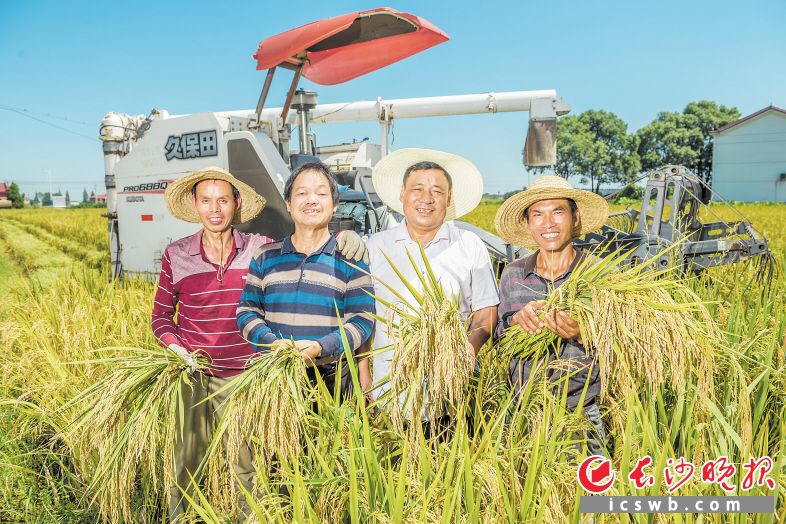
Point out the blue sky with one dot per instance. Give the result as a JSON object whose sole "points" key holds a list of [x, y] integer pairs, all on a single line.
{"points": [[79, 60]]}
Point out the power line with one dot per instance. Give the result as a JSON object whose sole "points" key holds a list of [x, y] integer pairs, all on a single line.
{"points": [[47, 115], [61, 128]]}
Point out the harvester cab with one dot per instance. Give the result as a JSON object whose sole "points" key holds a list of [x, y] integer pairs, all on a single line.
{"points": [[143, 154]]}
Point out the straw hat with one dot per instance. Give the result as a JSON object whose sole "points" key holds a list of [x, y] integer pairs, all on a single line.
{"points": [[181, 205], [388, 175], [512, 226]]}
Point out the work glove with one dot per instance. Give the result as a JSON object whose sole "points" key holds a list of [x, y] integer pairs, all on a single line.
{"points": [[351, 246], [185, 356]]}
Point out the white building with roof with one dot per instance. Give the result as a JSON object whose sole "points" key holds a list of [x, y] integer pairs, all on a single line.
{"points": [[749, 157]]}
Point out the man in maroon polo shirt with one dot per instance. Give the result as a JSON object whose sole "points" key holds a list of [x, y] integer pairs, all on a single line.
{"points": [[202, 278]]}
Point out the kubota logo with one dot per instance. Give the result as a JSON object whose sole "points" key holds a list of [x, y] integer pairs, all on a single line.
{"points": [[593, 472]]}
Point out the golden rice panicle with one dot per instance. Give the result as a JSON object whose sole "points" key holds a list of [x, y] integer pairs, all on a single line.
{"points": [[453, 363], [408, 367], [219, 483], [125, 433], [268, 407], [433, 358], [647, 326]]}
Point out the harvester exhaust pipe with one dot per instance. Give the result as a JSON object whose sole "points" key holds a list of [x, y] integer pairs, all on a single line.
{"points": [[113, 136], [303, 102]]}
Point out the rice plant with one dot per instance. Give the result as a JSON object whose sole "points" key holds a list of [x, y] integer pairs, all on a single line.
{"points": [[648, 327], [513, 463], [432, 356], [125, 428], [267, 410]]}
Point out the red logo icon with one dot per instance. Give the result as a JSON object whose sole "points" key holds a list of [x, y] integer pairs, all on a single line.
{"points": [[593, 472]]}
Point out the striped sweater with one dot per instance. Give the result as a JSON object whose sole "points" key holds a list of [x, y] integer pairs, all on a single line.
{"points": [[293, 296], [195, 310]]}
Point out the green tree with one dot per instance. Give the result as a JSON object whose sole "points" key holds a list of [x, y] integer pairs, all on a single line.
{"points": [[684, 138], [595, 145], [84, 195], [510, 194], [68, 198], [17, 199]]}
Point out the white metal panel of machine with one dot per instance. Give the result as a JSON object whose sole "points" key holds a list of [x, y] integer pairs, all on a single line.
{"points": [[171, 148]]}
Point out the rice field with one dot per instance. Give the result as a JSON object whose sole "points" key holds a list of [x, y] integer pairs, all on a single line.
{"points": [[501, 464]]}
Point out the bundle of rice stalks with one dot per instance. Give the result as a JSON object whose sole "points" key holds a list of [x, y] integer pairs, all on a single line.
{"points": [[125, 427], [432, 356], [268, 408], [647, 326]]}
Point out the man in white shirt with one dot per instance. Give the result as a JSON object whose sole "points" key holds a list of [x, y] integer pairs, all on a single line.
{"points": [[430, 188]]}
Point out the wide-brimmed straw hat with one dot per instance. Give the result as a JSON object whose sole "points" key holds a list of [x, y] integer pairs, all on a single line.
{"points": [[388, 175], [512, 226], [180, 202]]}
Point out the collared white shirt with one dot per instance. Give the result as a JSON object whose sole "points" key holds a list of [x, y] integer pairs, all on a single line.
{"points": [[459, 260]]}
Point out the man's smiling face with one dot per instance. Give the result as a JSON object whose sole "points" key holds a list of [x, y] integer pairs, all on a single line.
{"points": [[426, 196], [551, 223], [311, 202], [216, 204]]}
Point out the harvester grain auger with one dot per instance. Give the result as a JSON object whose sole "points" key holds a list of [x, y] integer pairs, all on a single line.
{"points": [[675, 201]]}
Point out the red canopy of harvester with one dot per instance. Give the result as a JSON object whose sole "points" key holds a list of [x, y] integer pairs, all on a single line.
{"points": [[338, 49]]}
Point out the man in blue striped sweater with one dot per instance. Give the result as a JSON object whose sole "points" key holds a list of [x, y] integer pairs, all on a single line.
{"points": [[294, 286]]}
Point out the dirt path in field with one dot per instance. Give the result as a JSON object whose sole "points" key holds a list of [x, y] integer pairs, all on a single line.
{"points": [[27, 255], [8, 271], [70, 248]]}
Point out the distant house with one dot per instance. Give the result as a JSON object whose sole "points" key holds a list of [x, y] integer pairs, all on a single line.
{"points": [[58, 201], [749, 157], [98, 199], [4, 201]]}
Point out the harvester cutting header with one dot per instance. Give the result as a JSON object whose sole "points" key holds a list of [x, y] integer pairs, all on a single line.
{"points": [[143, 154]]}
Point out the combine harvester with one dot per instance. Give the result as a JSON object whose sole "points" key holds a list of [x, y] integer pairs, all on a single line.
{"points": [[143, 154], [669, 213]]}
